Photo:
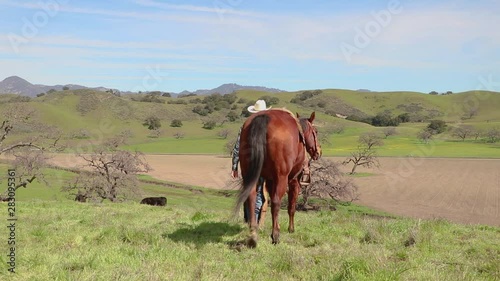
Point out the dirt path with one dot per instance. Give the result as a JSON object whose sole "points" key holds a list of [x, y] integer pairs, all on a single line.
{"points": [[461, 190]]}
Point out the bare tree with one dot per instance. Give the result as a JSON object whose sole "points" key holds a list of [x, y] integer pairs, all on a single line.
{"points": [[224, 133], [115, 142], [470, 111], [28, 152], [476, 133], [29, 165], [492, 135], [109, 174], [364, 157], [365, 154], [229, 146], [425, 135], [156, 133], [328, 182], [179, 135], [370, 140], [126, 134], [389, 131], [463, 131]]}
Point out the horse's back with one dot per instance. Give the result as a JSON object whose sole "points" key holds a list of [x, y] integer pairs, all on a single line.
{"points": [[281, 122]]}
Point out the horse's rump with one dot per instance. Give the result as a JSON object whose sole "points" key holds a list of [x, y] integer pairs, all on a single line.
{"points": [[271, 142]]}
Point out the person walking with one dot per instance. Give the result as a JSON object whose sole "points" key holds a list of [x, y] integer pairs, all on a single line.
{"points": [[259, 105]]}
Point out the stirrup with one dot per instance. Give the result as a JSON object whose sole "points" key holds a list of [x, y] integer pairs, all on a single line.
{"points": [[305, 180]]}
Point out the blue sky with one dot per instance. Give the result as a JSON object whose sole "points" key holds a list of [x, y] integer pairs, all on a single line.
{"points": [[172, 46]]}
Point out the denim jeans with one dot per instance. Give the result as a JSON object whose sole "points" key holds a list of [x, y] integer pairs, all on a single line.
{"points": [[259, 201]]}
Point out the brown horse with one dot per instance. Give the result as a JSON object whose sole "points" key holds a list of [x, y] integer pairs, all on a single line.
{"points": [[273, 144]]}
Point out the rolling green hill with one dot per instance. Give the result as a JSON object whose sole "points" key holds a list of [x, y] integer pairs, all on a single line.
{"points": [[100, 115]]}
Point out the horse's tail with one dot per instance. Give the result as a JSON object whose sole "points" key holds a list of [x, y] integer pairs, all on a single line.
{"points": [[256, 143]]}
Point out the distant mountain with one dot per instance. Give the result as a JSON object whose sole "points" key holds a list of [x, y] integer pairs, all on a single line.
{"points": [[229, 88], [19, 86]]}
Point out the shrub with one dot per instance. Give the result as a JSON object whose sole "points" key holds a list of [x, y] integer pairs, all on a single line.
{"points": [[384, 120], [209, 125], [196, 100], [437, 126], [404, 117], [305, 96], [200, 110], [245, 112], [19, 98], [270, 100], [230, 98], [176, 123], [321, 104], [232, 116], [187, 95], [150, 97], [177, 101], [152, 122]]}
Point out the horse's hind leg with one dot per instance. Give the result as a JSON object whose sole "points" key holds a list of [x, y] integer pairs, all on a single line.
{"points": [[293, 194], [277, 193]]}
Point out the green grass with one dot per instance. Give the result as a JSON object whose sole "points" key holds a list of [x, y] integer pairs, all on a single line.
{"points": [[198, 145], [196, 238]]}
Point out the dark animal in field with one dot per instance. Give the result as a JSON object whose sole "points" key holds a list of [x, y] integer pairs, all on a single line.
{"points": [[81, 198], [155, 201], [6, 199], [273, 145]]}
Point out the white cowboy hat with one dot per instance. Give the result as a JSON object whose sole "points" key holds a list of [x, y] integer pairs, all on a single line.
{"points": [[259, 105]]}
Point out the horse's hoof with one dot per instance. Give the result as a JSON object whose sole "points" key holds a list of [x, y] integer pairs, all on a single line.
{"points": [[275, 240], [291, 230], [252, 242]]}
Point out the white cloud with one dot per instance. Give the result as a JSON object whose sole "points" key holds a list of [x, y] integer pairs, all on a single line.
{"points": [[220, 8]]}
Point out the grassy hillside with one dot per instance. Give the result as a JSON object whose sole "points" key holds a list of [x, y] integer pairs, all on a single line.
{"points": [[196, 238], [102, 115]]}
